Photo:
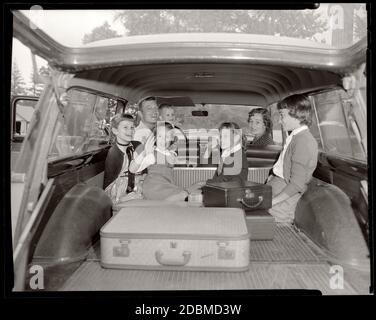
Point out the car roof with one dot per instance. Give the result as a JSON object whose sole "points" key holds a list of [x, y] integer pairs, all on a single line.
{"points": [[189, 48]]}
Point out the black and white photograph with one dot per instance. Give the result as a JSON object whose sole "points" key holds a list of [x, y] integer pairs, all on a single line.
{"points": [[176, 150]]}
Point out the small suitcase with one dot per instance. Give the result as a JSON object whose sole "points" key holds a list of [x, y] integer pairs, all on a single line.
{"points": [[175, 238], [249, 195], [260, 224]]}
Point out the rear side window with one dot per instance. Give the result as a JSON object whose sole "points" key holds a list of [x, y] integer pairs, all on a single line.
{"points": [[86, 122], [277, 129], [336, 126]]}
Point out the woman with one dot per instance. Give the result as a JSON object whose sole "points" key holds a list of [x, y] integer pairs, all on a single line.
{"points": [[260, 127], [159, 157]]}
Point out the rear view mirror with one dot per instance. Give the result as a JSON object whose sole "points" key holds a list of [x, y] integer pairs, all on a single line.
{"points": [[199, 113], [23, 109]]}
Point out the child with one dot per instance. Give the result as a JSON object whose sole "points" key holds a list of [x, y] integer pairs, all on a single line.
{"points": [[297, 161], [232, 164], [167, 113], [119, 183], [159, 159]]}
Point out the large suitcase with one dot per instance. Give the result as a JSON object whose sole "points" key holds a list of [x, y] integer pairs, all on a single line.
{"points": [[249, 195], [176, 238], [261, 225]]}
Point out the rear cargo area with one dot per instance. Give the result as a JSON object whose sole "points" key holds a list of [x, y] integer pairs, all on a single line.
{"points": [[290, 261]]}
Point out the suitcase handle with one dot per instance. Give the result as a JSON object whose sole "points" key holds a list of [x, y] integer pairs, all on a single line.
{"points": [[170, 262], [260, 198]]}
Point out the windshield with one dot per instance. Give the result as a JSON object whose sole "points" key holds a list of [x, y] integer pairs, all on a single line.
{"points": [[338, 25]]}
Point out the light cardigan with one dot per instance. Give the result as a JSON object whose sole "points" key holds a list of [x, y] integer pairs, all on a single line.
{"points": [[278, 166], [299, 162]]}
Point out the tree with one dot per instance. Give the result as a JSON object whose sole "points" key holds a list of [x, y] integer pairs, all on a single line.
{"points": [[360, 23], [289, 23], [17, 82], [301, 24], [37, 84], [100, 33]]}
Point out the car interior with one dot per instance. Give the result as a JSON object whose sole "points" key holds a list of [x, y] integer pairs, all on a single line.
{"points": [[331, 226], [203, 95]]}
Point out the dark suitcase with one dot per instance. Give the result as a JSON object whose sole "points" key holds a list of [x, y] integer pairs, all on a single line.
{"points": [[249, 195], [260, 225]]}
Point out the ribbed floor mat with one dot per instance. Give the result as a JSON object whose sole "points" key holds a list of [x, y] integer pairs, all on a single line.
{"points": [[290, 261], [287, 246], [91, 276]]}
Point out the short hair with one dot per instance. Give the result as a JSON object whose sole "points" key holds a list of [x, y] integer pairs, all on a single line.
{"points": [[168, 126], [299, 107], [228, 125], [115, 121], [265, 117], [165, 106], [149, 98], [233, 126]]}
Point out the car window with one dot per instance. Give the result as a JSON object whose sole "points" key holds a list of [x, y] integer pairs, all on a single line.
{"points": [[314, 128], [277, 129], [23, 112], [216, 114], [336, 123], [86, 122]]}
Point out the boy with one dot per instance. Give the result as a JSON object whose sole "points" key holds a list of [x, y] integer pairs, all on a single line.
{"points": [[167, 113], [119, 182], [297, 161]]}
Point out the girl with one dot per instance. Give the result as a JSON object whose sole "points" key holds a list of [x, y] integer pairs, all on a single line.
{"points": [[233, 164], [297, 161], [159, 158]]}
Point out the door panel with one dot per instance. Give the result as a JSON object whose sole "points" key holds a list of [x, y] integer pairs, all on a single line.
{"points": [[67, 177], [347, 175]]}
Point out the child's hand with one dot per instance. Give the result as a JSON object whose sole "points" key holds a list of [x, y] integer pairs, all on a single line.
{"points": [[213, 143], [149, 144], [196, 188]]}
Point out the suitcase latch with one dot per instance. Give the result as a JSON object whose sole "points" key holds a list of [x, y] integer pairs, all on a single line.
{"points": [[224, 253], [173, 244], [249, 194], [122, 250]]}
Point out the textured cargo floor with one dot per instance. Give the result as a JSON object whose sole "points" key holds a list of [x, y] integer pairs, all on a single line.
{"points": [[290, 261]]}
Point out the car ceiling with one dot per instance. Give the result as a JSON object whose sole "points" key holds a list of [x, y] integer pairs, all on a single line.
{"points": [[250, 84]]}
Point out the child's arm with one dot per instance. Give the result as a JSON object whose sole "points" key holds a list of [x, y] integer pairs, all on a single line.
{"points": [[282, 196], [143, 158]]}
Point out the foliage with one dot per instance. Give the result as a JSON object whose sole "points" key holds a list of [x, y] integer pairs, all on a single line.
{"points": [[100, 33], [34, 87], [18, 86], [301, 24], [360, 24], [37, 82]]}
